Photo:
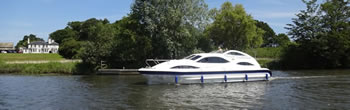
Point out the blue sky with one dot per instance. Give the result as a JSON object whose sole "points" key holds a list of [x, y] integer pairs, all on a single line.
{"points": [[42, 17]]}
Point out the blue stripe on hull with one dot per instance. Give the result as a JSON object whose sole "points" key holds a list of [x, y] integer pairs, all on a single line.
{"points": [[203, 73]]}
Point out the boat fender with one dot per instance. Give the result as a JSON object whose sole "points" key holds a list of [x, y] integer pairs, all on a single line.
{"points": [[267, 76], [202, 79], [176, 79], [246, 77], [225, 78]]}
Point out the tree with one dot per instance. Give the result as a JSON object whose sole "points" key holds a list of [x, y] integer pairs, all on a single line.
{"points": [[130, 49], [169, 23], [322, 35], [70, 48], [99, 44], [78, 34], [307, 26], [234, 29], [282, 40], [24, 41], [269, 39], [62, 34]]}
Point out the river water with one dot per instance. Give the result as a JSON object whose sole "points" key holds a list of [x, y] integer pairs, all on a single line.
{"points": [[312, 89]]}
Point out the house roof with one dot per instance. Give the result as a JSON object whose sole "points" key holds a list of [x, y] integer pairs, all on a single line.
{"points": [[54, 43], [38, 43], [42, 43], [6, 45]]}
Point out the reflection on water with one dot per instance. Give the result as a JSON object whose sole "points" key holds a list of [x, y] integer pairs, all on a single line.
{"points": [[287, 89]]}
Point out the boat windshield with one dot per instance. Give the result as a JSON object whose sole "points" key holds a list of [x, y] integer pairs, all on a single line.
{"points": [[196, 57], [189, 57]]}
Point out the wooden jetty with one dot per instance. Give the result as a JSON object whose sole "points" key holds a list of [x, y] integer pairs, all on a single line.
{"points": [[118, 72]]}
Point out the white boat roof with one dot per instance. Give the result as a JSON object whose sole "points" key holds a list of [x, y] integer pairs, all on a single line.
{"points": [[224, 53]]}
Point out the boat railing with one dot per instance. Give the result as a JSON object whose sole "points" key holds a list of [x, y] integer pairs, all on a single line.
{"points": [[154, 61]]}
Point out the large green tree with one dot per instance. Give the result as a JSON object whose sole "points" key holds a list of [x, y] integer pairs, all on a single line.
{"points": [[233, 28], [62, 34], [322, 33], [99, 44], [170, 24], [77, 35], [130, 49], [281, 40], [269, 37]]}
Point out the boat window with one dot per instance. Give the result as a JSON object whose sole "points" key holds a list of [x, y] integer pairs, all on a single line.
{"points": [[184, 67], [235, 53], [245, 63], [213, 60], [189, 57], [195, 57]]}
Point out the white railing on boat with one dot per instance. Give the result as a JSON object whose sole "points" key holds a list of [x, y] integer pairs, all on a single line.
{"points": [[155, 61]]}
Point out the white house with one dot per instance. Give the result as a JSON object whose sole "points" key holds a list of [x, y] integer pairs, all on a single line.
{"points": [[41, 47]]}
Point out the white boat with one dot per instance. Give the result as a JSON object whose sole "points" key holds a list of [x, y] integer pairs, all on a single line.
{"points": [[229, 66]]}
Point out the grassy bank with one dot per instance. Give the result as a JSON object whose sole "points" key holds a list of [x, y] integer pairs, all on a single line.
{"points": [[30, 57], [40, 68], [44, 64]]}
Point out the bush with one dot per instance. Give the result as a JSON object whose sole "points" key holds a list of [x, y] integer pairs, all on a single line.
{"points": [[267, 52]]}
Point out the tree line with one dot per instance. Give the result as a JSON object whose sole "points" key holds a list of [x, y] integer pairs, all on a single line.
{"points": [[163, 29], [322, 36], [176, 28]]}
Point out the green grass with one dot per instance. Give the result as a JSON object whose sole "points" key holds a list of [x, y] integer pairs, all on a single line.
{"points": [[30, 57], [40, 68], [269, 52]]}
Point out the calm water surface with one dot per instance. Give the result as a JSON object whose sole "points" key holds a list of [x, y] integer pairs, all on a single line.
{"points": [[316, 89]]}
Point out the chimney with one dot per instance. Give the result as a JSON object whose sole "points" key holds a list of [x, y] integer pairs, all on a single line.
{"points": [[28, 40], [49, 41]]}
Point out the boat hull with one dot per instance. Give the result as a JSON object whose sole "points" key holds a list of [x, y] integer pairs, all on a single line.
{"points": [[168, 77]]}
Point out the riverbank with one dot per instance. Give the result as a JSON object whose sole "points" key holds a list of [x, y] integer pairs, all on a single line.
{"points": [[39, 68], [56, 64], [30, 57], [38, 64]]}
